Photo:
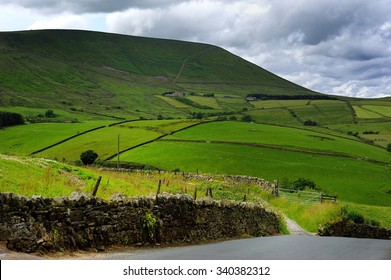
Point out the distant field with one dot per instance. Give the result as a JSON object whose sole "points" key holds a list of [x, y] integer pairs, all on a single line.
{"points": [[267, 104], [363, 113], [281, 136], [103, 142], [273, 116], [26, 139], [353, 180], [173, 102], [205, 101], [381, 131], [381, 110]]}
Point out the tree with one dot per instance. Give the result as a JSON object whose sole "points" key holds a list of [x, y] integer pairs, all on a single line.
{"points": [[310, 123], [88, 157], [49, 114], [389, 147], [10, 119], [302, 183], [247, 118]]}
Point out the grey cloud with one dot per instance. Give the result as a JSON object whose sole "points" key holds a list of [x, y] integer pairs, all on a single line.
{"points": [[327, 45], [89, 6]]}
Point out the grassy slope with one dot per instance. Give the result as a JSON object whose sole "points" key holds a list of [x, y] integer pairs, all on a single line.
{"points": [[100, 72]]}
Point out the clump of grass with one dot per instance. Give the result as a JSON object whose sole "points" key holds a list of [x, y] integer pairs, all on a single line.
{"points": [[309, 217]]}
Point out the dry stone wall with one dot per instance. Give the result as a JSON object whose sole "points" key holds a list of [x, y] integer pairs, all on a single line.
{"points": [[31, 224]]}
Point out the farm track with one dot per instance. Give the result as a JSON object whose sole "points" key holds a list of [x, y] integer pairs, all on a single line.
{"points": [[185, 61]]}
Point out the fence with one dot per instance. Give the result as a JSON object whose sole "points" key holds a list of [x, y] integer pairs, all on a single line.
{"points": [[305, 197]]}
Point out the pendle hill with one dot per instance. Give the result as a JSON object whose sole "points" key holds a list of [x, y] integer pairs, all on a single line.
{"points": [[126, 75]]}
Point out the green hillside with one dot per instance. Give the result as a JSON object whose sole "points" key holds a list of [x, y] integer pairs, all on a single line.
{"points": [[177, 105], [122, 76]]}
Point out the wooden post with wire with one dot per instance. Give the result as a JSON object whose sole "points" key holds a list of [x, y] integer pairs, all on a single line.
{"points": [[96, 186]]}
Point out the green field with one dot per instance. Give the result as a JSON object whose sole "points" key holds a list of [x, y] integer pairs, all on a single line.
{"points": [[282, 137], [25, 139], [353, 180]]}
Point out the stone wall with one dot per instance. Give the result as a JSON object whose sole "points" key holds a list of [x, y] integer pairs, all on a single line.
{"points": [[83, 222], [350, 229]]}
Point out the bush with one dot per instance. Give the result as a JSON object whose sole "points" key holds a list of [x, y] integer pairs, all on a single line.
{"points": [[88, 157], [50, 114], [389, 147], [310, 123], [247, 118], [10, 119], [352, 215], [302, 183]]}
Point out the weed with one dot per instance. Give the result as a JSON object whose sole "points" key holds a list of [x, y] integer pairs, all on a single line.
{"points": [[149, 224]]}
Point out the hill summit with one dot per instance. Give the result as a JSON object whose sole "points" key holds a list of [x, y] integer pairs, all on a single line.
{"points": [[94, 71]]}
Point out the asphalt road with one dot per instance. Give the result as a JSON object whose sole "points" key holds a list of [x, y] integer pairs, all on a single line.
{"points": [[290, 247]]}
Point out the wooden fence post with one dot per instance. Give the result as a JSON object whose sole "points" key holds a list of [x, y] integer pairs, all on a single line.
{"points": [[195, 193], [158, 187], [96, 186], [321, 197]]}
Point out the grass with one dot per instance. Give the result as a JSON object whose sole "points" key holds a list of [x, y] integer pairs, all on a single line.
{"points": [[99, 72], [367, 183], [363, 113], [103, 142], [205, 101], [238, 132], [382, 131], [31, 176], [25, 139]]}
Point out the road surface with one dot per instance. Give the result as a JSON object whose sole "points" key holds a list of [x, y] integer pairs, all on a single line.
{"points": [[288, 247]]}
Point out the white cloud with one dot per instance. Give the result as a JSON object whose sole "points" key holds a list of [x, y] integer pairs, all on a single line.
{"points": [[63, 21]]}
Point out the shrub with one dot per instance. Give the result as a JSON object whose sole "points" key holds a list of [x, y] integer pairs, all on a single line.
{"points": [[247, 118], [389, 147], [88, 157], [302, 183], [49, 114], [310, 123], [352, 215], [10, 119]]}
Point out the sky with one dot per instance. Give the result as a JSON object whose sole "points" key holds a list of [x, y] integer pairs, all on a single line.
{"points": [[340, 47]]}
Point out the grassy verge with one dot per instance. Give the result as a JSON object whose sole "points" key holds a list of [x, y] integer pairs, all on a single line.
{"points": [[32, 176]]}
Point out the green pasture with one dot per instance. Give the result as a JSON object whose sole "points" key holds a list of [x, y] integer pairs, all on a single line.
{"points": [[325, 112], [353, 180], [25, 139], [205, 101], [273, 116], [103, 142], [61, 114], [363, 113], [381, 131], [381, 110], [268, 104], [299, 139], [160, 126], [173, 102]]}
